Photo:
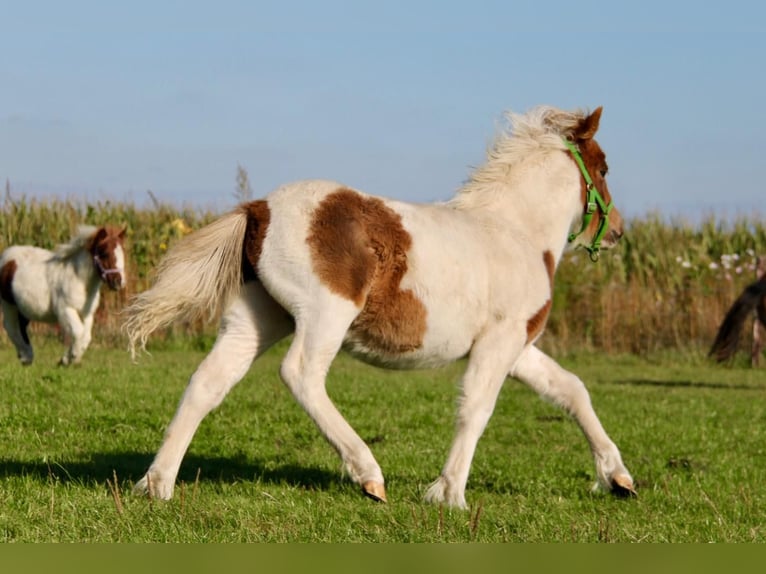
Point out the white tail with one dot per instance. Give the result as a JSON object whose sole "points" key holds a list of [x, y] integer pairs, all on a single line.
{"points": [[198, 277]]}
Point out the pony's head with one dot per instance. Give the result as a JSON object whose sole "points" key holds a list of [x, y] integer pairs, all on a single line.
{"points": [[602, 224], [106, 247]]}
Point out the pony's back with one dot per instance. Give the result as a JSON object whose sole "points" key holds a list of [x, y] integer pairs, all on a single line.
{"points": [[25, 253]]}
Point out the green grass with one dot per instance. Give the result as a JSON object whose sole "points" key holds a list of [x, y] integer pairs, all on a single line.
{"points": [[73, 442]]}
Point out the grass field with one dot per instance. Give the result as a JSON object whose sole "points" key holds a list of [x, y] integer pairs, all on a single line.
{"points": [[73, 442]]}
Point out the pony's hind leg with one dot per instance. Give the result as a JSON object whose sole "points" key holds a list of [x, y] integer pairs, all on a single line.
{"points": [[565, 389], [317, 341], [249, 327], [16, 326]]}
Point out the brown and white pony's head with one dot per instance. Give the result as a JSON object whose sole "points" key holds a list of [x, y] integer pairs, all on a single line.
{"points": [[595, 196], [106, 246]]}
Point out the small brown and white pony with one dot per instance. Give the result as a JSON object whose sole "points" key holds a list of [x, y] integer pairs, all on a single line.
{"points": [[60, 286], [399, 285]]}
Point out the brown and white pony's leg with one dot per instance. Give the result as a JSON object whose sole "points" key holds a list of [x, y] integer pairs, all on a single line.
{"points": [[252, 324], [488, 365], [70, 322], [565, 389], [319, 333], [87, 333], [16, 326]]}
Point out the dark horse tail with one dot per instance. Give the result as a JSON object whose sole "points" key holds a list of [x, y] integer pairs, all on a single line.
{"points": [[727, 339]]}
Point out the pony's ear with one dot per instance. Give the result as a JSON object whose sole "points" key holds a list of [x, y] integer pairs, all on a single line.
{"points": [[100, 234], [588, 126], [94, 239], [122, 233]]}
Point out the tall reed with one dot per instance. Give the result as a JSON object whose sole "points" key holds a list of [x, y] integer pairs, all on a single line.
{"points": [[667, 285], [150, 232]]}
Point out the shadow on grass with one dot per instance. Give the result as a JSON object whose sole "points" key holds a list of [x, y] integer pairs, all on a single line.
{"points": [[688, 384], [132, 466]]}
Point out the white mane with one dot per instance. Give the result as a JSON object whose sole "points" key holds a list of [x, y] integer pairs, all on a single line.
{"points": [[76, 243], [538, 131]]}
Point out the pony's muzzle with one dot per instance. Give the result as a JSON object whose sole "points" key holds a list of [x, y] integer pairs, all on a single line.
{"points": [[615, 231], [614, 236], [115, 281]]}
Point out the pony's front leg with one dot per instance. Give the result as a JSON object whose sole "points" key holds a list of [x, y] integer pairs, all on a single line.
{"points": [[70, 322], [488, 365], [565, 389], [87, 334]]}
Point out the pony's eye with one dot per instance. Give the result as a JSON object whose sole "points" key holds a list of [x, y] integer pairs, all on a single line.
{"points": [[603, 172]]}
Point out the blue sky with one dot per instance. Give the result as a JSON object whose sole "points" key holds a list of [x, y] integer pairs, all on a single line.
{"points": [[106, 100]]}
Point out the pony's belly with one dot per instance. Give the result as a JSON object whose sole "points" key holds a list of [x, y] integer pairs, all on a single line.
{"points": [[35, 310], [32, 297], [429, 355]]}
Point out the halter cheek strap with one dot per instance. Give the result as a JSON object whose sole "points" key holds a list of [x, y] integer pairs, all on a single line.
{"points": [[102, 270], [593, 201]]}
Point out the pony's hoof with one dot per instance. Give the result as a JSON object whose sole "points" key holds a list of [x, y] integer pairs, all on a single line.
{"points": [[375, 490], [440, 493], [153, 488], [622, 485]]}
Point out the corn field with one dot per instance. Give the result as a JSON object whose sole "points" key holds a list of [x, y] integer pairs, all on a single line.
{"points": [[666, 287], [150, 232]]}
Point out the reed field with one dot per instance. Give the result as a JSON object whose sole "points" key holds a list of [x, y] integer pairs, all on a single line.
{"points": [[666, 287], [635, 327]]}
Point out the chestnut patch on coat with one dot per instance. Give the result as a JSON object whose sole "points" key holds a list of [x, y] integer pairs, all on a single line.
{"points": [[359, 251], [258, 218], [6, 281], [536, 322]]}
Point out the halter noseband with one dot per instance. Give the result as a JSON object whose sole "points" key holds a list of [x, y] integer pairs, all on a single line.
{"points": [[593, 200], [102, 270]]}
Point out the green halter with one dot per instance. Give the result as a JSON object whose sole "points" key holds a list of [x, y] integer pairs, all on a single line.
{"points": [[593, 200]]}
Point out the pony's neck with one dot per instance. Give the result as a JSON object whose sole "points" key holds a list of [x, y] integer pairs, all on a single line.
{"points": [[82, 263], [537, 199]]}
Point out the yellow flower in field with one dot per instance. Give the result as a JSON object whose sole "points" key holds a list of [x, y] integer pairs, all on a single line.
{"points": [[180, 226], [163, 247]]}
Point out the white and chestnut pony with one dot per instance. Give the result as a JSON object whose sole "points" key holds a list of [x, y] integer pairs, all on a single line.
{"points": [[60, 286], [398, 285]]}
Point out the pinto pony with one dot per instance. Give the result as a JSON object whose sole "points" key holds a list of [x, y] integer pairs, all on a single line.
{"points": [[398, 285], [60, 286]]}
